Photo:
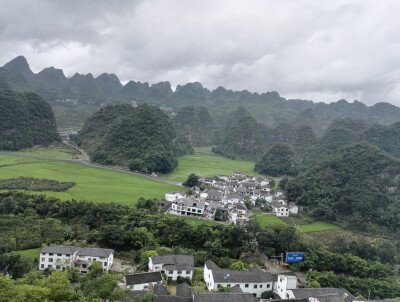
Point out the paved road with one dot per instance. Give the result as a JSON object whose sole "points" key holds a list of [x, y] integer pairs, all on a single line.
{"points": [[86, 161]]}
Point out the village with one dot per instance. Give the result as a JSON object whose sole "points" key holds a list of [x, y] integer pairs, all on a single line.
{"points": [[228, 199], [178, 271]]}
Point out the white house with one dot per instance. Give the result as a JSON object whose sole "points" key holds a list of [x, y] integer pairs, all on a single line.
{"points": [[188, 207], [142, 281], [284, 285], [64, 257], [286, 288], [280, 210], [173, 266], [171, 196], [255, 281], [238, 214], [85, 256], [279, 193]]}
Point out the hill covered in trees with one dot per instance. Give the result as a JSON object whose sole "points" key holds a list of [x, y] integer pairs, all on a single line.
{"points": [[194, 124], [358, 185], [25, 120], [74, 99], [142, 138]]}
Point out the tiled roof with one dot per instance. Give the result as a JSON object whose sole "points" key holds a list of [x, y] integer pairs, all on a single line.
{"points": [[175, 261], [143, 278], [58, 249], [94, 252], [255, 275]]}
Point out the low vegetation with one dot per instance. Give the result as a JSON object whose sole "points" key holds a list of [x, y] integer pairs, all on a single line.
{"points": [[34, 184]]}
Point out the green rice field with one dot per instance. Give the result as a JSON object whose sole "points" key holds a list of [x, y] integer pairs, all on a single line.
{"points": [[92, 183], [207, 164]]}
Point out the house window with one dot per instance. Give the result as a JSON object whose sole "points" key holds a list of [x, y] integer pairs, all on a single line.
{"points": [[67, 255], [59, 255], [51, 254], [255, 285], [170, 272], [187, 272], [50, 259], [246, 285], [43, 259], [84, 265], [198, 211], [179, 272], [260, 285], [228, 285], [44, 254], [268, 285], [57, 267], [49, 266], [219, 285], [42, 266]]}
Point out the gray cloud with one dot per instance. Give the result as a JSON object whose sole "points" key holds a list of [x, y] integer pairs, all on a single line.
{"points": [[320, 50]]}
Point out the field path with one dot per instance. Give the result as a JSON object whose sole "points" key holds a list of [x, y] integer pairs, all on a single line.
{"points": [[86, 161]]}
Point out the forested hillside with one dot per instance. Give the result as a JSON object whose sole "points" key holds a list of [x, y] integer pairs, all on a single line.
{"points": [[142, 138], [25, 120], [358, 185], [81, 95], [194, 124]]}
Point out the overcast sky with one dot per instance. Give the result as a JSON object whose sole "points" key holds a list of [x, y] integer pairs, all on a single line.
{"points": [[319, 50]]}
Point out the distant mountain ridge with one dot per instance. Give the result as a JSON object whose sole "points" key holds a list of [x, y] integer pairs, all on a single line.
{"points": [[268, 108]]}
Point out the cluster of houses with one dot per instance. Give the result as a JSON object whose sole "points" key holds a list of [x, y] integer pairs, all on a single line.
{"points": [[225, 198], [243, 286]]}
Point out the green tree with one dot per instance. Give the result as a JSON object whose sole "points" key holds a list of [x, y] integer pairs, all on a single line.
{"points": [[145, 255], [237, 266], [192, 180], [268, 295]]}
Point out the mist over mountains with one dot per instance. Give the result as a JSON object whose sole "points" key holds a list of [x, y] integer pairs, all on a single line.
{"points": [[74, 99]]}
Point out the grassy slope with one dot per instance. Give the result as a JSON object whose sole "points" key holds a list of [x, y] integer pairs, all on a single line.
{"points": [[57, 150], [195, 221], [32, 253], [91, 183], [207, 164], [318, 226]]}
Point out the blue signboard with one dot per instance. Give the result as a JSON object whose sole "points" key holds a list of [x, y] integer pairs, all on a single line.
{"points": [[294, 257]]}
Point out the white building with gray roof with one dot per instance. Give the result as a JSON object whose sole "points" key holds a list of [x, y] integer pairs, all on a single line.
{"points": [[173, 266], [188, 207], [64, 257], [255, 281]]}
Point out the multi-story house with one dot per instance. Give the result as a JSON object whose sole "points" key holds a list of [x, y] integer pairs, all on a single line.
{"points": [[188, 207], [173, 266], [255, 281], [64, 257]]}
